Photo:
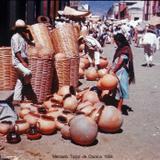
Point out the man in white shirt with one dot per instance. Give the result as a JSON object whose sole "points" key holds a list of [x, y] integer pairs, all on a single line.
{"points": [[19, 58], [92, 49], [149, 44]]}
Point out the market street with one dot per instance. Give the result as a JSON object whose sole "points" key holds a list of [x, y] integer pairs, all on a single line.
{"points": [[140, 135]]}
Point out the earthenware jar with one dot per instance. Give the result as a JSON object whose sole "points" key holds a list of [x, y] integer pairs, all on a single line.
{"points": [[21, 126], [83, 130], [12, 136], [4, 127], [46, 124]]}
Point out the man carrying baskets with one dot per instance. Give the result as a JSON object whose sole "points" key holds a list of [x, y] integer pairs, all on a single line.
{"points": [[19, 43]]}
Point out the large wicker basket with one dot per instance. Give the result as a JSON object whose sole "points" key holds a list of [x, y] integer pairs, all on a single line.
{"points": [[42, 74], [41, 35], [7, 72], [64, 40], [66, 72]]}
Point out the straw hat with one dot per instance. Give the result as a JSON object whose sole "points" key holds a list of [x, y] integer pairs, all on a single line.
{"points": [[20, 24]]}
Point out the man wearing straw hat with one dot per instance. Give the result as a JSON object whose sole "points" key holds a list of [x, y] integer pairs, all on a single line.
{"points": [[19, 43]]}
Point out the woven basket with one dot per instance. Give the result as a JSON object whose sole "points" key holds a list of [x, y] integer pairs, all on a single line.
{"points": [[41, 35], [42, 75], [7, 72], [64, 40], [66, 72]]}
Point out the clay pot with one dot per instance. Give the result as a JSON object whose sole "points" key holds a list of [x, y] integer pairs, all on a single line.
{"points": [[50, 103], [85, 61], [64, 90], [57, 98], [91, 74], [55, 112], [83, 130], [65, 132], [81, 73], [103, 62], [26, 104], [23, 112], [101, 72], [108, 82], [86, 109], [46, 125], [21, 126], [110, 119], [90, 96], [83, 104], [70, 103], [4, 127], [60, 121], [82, 65], [81, 47], [95, 115], [31, 118]]}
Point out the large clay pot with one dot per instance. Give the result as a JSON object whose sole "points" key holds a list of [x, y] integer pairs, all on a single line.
{"points": [[103, 62], [91, 74], [101, 72], [31, 118], [90, 96], [108, 82], [21, 126], [110, 119], [4, 127], [65, 132], [46, 125], [70, 103], [81, 73], [83, 104], [83, 130]]}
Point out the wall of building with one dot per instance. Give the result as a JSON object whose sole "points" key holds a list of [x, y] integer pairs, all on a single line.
{"points": [[28, 10]]}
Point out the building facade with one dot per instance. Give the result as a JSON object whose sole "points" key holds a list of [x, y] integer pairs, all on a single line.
{"points": [[28, 10]]}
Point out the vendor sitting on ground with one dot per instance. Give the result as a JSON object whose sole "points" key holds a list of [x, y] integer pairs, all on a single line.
{"points": [[92, 49]]}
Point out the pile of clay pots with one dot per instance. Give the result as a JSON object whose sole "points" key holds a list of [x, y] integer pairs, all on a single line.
{"points": [[78, 115], [89, 72]]}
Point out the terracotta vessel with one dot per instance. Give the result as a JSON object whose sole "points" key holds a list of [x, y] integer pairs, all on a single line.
{"points": [[23, 112], [4, 127], [110, 119], [13, 137], [70, 103], [21, 126], [65, 132], [108, 82], [90, 96], [46, 124], [33, 133], [60, 121], [83, 130], [31, 118], [91, 74]]}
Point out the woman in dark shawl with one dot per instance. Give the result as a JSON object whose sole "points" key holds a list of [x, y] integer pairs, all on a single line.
{"points": [[123, 68]]}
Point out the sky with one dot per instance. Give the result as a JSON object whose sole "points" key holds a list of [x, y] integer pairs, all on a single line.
{"points": [[99, 7]]}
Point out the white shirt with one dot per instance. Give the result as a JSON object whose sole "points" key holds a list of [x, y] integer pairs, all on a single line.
{"points": [[18, 44], [149, 38], [92, 42]]}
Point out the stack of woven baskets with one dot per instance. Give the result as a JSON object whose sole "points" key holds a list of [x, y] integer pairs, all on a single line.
{"points": [[7, 72], [64, 41]]}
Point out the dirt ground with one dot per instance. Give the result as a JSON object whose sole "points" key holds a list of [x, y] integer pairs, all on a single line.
{"points": [[138, 140]]}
